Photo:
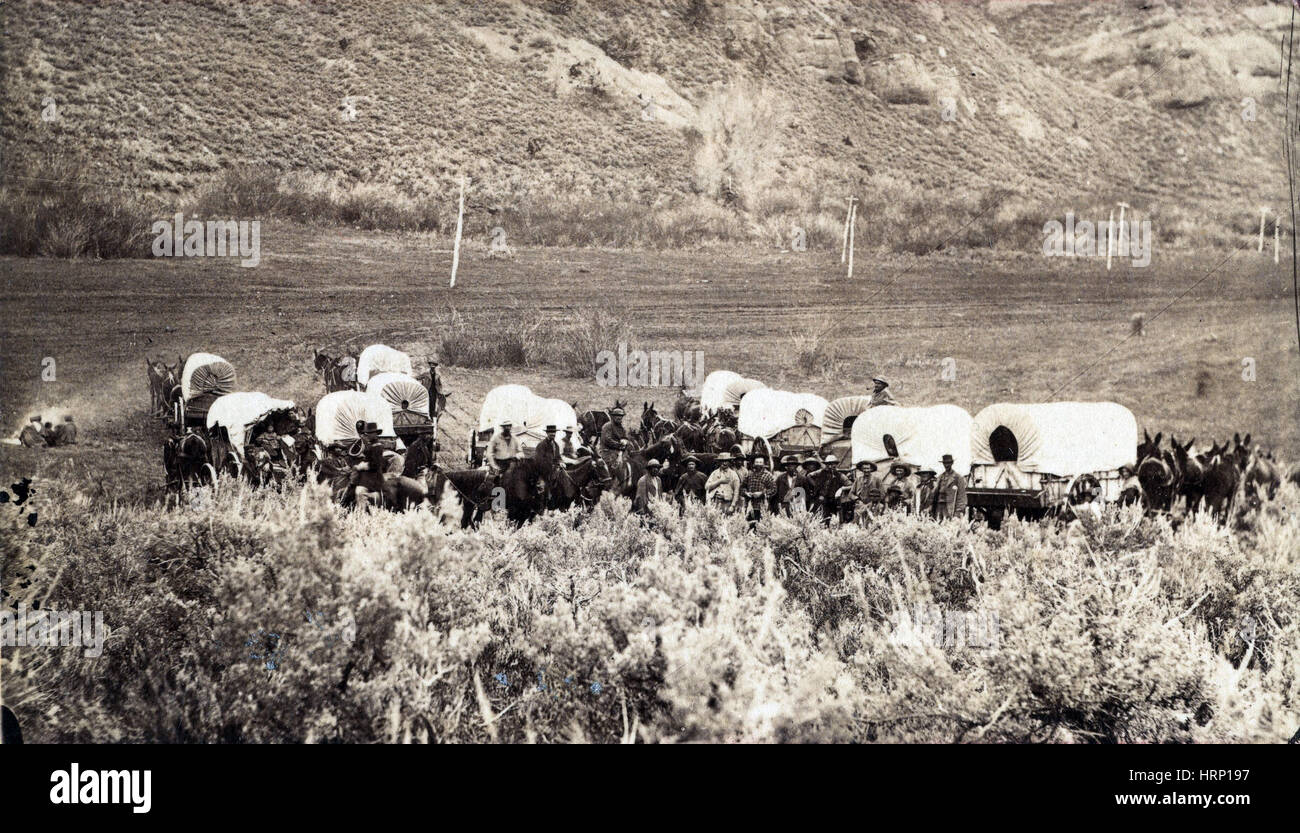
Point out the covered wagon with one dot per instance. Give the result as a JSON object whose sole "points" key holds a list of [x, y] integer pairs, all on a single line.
{"points": [[380, 358], [713, 391], [780, 422], [409, 401], [1035, 457], [238, 424], [529, 414], [837, 426], [736, 390], [206, 376], [919, 437]]}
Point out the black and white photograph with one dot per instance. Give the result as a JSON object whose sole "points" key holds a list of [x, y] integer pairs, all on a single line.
{"points": [[858, 373]]}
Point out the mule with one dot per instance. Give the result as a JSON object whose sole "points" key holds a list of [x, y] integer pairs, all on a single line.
{"points": [[1155, 473], [1191, 474], [1222, 476], [337, 372]]}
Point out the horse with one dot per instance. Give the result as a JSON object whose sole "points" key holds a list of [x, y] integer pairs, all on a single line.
{"points": [[185, 459], [469, 489], [1222, 476], [337, 372], [590, 422], [630, 470], [1155, 473], [525, 490], [1260, 474], [583, 482], [1191, 473], [653, 426]]}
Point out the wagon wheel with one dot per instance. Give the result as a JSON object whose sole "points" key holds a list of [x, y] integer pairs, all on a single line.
{"points": [[1080, 484]]}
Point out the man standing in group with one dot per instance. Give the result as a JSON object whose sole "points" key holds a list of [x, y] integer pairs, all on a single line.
{"points": [[613, 438], [925, 489], [865, 492], [831, 487], [31, 435], [723, 485], [692, 483], [503, 449], [791, 487], [880, 394], [648, 488], [949, 492], [897, 486], [758, 488]]}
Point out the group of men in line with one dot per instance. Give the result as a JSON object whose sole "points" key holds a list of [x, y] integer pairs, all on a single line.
{"points": [[810, 484], [38, 435]]}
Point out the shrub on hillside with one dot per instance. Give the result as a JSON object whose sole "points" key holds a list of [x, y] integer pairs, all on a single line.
{"points": [[54, 206]]}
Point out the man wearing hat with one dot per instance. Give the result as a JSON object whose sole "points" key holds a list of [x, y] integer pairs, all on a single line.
{"points": [[367, 479], [865, 491], [437, 390], [949, 492], [723, 486], [791, 487], [568, 448], [880, 394], [830, 487], [503, 449], [897, 485], [613, 438], [692, 482], [738, 463], [547, 455], [758, 488], [925, 489], [31, 435], [648, 488]]}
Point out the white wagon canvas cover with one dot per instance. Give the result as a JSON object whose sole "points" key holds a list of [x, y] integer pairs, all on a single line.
{"points": [[841, 409], [380, 358], [529, 412], [920, 436], [736, 390], [766, 413], [714, 390], [238, 412], [402, 392], [1059, 438], [206, 373], [337, 414]]}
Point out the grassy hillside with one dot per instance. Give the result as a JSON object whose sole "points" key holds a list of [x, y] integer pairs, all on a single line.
{"points": [[1068, 105]]}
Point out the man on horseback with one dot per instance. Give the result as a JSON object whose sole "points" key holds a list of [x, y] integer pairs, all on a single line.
{"points": [[568, 450], [613, 439], [503, 449], [547, 455]]}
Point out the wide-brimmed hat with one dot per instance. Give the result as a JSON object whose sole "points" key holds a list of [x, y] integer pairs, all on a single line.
{"points": [[947, 458], [811, 461], [368, 429], [652, 464], [724, 457], [690, 458], [867, 464], [789, 460], [617, 412], [930, 472], [830, 459], [904, 466], [35, 419], [881, 380], [507, 424], [550, 429]]}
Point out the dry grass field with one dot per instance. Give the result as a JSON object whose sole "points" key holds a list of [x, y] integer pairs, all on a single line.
{"points": [[1018, 328]]}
